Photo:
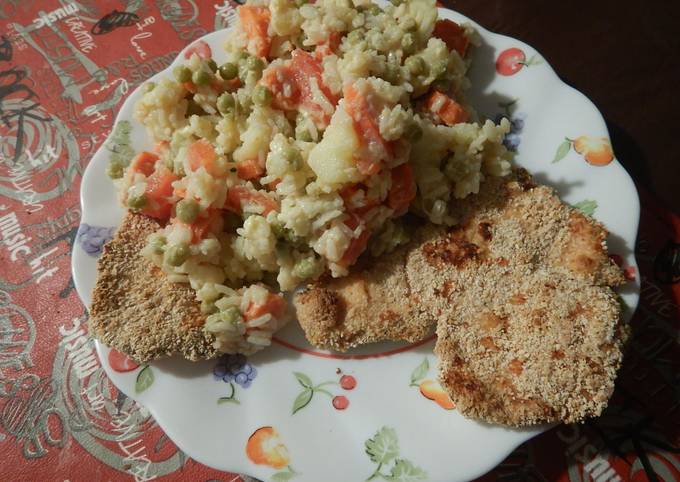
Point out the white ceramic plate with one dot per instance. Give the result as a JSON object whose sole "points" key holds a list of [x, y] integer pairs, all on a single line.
{"points": [[285, 414]]}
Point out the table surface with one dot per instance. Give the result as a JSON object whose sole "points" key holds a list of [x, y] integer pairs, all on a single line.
{"points": [[60, 86]]}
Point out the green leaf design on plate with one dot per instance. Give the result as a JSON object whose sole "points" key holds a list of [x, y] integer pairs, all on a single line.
{"points": [[562, 150], [405, 471], [302, 400], [420, 371], [282, 476], [144, 379], [587, 206], [304, 380], [384, 446]]}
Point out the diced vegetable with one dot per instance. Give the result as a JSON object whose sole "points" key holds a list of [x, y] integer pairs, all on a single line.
{"points": [[275, 305], [447, 109], [240, 194], [374, 148], [255, 23], [158, 190], [452, 34], [144, 162], [187, 210], [250, 169], [403, 189], [177, 254], [202, 154]]}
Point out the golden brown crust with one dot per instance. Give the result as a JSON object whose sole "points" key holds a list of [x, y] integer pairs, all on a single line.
{"points": [[371, 304], [529, 329], [136, 310]]}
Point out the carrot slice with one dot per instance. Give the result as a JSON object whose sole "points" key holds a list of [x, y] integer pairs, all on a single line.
{"points": [[403, 189], [452, 34], [274, 305], [368, 130], [356, 245], [255, 23], [249, 169], [158, 190], [238, 194], [447, 109], [202, 153], [144, 162]]}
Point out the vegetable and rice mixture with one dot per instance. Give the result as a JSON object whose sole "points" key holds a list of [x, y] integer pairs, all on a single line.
{"points": [[328, 122]]}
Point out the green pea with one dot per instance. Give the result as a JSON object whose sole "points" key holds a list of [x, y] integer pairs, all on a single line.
{"points": [[230, 315], [392, 74], [212, 65], [355, 36], [225, 103], [407, 41], [300, 3], [136, 202], [374, 10], [415, 65], [177, 254], [242, 55], [254, 63], [182, 73], [307, 268], [208, 307], [415, 132], [303, 135], [187, 210], [193, 108], [149, 86], [201, 77], [262, 96], [115, 169], [293, 157], [157, 244], [409, 24], [228, 71]]}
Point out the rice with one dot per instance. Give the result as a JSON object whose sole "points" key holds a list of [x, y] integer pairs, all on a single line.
{"points": [[303, 151]]}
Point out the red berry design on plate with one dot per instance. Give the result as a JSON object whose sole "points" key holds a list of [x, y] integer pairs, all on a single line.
{"points": [[120, 362], [340, 402], [348, 382], [201, 48], [511, 61]]}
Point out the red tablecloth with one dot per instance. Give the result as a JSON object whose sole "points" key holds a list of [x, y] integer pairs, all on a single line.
{"points": [[65, 68]]}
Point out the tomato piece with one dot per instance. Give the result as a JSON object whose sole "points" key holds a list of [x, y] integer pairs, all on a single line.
{"points": [[452, 34], [161, 146], [238, 194], [368, 130], [120, 362], [447, 109], [144, 162], [200, 48], [255, 23], [403, 189], [305, 68], [274, 305], [202, 153], [249, 169], [158, 190]]}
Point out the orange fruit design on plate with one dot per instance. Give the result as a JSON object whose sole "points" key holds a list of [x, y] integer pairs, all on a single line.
{"points": [[596, 150], [434, 391], [264, 447]]}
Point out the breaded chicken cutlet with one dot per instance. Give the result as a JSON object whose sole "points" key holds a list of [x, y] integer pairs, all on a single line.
{"points": [[527, 323], [136, 310], [528, 326]]}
